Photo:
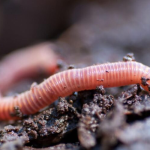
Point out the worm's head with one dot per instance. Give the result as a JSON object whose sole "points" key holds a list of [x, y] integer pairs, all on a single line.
{"points": [[145, 83]]}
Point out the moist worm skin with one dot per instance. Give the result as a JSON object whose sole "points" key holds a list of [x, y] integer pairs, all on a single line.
{"points": [[69, 81]]}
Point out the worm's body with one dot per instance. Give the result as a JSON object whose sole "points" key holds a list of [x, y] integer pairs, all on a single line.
{"points": [[65, 83]]}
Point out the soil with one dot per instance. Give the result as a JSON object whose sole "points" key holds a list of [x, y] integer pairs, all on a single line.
{"points": [[84, 120]]}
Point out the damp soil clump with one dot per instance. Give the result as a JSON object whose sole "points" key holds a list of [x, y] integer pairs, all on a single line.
{"points": [[85, 120]]}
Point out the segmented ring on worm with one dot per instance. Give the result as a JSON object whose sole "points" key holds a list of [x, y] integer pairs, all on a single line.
{"points": [[69, 81]]}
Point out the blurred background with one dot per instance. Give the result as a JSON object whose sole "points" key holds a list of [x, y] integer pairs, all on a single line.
{"points": [[85, 31]]}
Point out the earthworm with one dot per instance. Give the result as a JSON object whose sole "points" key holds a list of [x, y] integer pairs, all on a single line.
{"points": [[27, 62], [69, 81]]}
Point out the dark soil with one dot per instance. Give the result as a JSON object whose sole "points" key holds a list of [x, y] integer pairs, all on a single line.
{"points": [[88, 119]]}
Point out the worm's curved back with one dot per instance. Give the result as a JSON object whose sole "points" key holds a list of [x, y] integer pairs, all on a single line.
{"points": [[66, 82]]}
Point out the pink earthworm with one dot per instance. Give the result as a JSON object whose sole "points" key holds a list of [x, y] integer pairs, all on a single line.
{"points": [[66, 82]]}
